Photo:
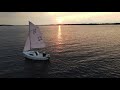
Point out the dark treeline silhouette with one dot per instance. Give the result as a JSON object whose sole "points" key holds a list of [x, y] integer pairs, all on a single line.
{"points": [[88, 24], [5, 25], [74, 24], [93, 24]]}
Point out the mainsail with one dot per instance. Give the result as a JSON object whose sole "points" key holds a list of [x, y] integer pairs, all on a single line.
{"points": [[34, 39]]}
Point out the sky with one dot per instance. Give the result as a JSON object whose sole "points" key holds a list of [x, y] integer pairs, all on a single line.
{"points": [[45, 18]]}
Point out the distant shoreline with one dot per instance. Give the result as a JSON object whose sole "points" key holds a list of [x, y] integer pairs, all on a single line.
{"points": [[70, 24], [6, 25], [90, 24]]}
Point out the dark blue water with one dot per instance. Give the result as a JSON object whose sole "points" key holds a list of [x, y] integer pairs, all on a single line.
{"points": [[76, 52]]}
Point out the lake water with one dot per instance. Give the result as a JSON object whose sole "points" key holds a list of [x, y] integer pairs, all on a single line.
{"points": [[77, 51]]}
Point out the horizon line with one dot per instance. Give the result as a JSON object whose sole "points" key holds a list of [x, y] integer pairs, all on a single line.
{"points": [[65, 24]]}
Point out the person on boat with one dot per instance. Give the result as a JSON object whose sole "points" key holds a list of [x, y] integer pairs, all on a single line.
{"points": [[36, 53], [44, 54]]}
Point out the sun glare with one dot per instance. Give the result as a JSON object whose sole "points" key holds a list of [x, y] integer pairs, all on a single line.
{"points": [[59, 20]]}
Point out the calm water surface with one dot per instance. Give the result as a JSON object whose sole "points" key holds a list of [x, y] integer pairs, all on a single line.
{"points": [[88, 51]]}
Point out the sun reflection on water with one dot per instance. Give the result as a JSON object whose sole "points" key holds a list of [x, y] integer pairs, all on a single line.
{"points": [[59, 42], [59, 35]]}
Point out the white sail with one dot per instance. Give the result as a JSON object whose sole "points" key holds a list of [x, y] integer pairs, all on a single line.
{"points": [[34, 39], [27, 44]]}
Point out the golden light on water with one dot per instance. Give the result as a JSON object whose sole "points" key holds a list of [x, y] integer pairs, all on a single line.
{"points": [[59, 35], [59, 32], [59, 40]]}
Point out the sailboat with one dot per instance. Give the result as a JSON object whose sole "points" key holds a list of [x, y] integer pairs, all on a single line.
{"points": [[34, 41]]}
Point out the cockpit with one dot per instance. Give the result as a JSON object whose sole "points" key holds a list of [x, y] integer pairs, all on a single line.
{"points": [[36, 53]]}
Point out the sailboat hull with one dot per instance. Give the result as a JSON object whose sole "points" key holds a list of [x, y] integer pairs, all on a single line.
{"points": [[32, 55]]}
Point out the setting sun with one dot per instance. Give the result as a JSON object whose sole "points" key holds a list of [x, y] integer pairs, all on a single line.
{"points": [[59, 20]]}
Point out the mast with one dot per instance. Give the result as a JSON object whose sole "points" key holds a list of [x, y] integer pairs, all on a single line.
{"points": [[29, 35]]}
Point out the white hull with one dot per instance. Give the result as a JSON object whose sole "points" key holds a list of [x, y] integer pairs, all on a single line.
{"points": [[32, 55]]}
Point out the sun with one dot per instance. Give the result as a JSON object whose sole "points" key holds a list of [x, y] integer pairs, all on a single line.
{"points": [[59, 20]]}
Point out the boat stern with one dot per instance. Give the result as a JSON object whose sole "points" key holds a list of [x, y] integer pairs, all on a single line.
{"points": [[48, 55]]}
